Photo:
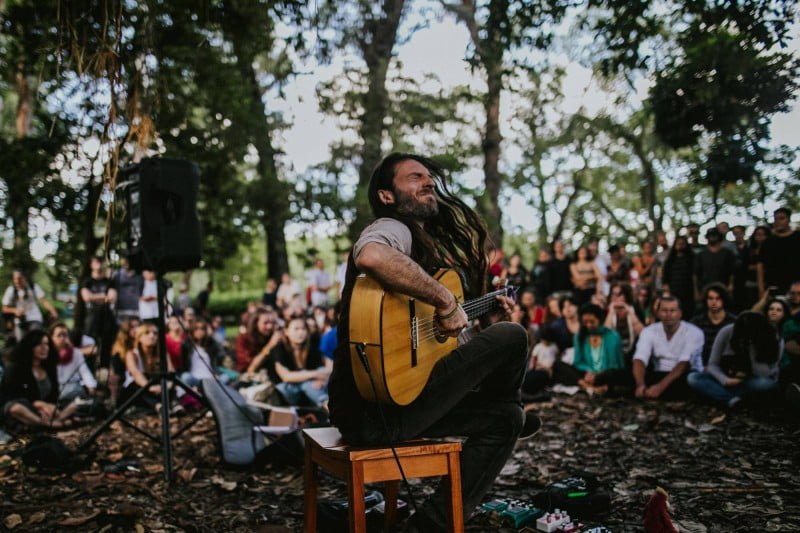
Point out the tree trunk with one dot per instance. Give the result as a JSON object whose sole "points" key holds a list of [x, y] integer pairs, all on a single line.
{"points": [[270, 195], [490, 208], [19, 199], [376, 48]]}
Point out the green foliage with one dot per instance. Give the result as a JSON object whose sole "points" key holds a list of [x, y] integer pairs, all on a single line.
{"points": [[232, 304]]}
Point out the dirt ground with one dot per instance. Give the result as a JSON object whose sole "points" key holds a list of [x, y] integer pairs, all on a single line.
{"points": [[723, 471]]}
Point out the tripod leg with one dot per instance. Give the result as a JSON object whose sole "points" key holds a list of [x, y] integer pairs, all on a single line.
{"points": [[166, 438], [115, 415]]}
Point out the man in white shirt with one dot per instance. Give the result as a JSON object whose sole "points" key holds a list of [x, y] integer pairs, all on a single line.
{"points": [[665, 353], [320, 283]]}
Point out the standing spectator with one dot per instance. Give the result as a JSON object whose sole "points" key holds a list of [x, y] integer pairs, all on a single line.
{"points": [[74, 377], [21, 299], [29, 390], [202, 300], [128, 285], [645, 264], [602, 261], [743, 362], [319, 283], [724, 228], [516, 274], [794, 298], [742, 298], [779, 264], [693, 234], [757, 240], [715, 264], [678, 274], [270, 296], [561, 277], [99, 295], [148, 299], [619, 269], [714, 316], [184, 299], [341, 272], [218, 331], [541, 274], [497, 263], [666, 351], [564, 329], [585, 275], [289, 293]]}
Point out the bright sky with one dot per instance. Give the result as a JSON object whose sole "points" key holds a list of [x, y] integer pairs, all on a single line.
{"points": [[440, 49]]}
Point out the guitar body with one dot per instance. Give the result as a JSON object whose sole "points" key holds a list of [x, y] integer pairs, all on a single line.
{"points": [[396, 333]]}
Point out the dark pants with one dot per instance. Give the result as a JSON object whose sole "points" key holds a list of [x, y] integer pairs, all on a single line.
{"points": [[472, 392], [677, 390], [618, 380]]}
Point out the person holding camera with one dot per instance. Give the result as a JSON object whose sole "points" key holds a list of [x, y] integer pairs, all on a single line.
{"points": [[21, 300]]}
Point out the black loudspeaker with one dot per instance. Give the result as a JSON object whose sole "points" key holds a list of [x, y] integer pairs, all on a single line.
{"points": [[161, 224]]}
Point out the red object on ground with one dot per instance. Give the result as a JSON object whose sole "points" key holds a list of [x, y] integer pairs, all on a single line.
{"points": [[656, 513]]}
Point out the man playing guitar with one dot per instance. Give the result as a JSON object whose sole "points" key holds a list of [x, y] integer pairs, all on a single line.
{"points": [[474, 391]]}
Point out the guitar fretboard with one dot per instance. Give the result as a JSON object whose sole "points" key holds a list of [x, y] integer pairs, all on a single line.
{"points": [[485, 304]]}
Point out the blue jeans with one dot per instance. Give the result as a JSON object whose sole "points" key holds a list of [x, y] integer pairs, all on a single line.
{"points": [[708, 386], [472, 392], [295, 393]]}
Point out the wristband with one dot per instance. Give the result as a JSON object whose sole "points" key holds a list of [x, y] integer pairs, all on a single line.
{"points": [[451, 313]]}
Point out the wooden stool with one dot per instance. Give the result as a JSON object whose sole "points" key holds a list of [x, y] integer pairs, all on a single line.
{"points": [[324, 448]]}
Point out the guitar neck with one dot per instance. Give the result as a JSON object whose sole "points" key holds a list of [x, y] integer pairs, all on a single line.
{"points": [[485, 304]]}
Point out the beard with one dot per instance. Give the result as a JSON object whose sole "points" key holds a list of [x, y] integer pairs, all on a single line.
{"points": [[410, 206]]}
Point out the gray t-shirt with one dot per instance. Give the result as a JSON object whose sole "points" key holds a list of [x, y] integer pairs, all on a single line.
{"points": [[386, 231]]}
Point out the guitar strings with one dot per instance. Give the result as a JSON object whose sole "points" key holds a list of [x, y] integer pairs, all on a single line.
{"points": [[426, 328], [472, 305]]}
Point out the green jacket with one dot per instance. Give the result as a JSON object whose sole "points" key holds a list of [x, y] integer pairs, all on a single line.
{"points": [[611, 356]]}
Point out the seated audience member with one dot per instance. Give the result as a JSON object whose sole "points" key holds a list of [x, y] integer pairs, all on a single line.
{"points": [[622, 318], [665, 353], [564, 328], [552, 312], [141, 363], [794, 298], [270, 296], [534, 314], [330, 339], [598, 361], [585, 275], [777, 312], [174, 339], [743, 362], [200, 355], [300, 371], [790, 361], [714, 316], [677, 276], [541, 274], [126, 338], [289, 293], [253, 346], [643, 304], [218, 331], [540, 365], [29, 390], [75, 379]]}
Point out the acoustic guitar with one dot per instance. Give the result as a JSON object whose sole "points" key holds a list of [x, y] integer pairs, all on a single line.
{"points": [[394, 339]]}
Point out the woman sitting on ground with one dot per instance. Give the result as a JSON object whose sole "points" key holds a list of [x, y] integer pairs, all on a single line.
{"points": [[743, 362], [124, 343], [622, 317], [201, 355], [253, 347], [300, 371], [598, 361], [29, 390], [140, 364]]}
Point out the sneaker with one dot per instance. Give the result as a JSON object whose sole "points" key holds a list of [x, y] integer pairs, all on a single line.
{"points": [[531, 426], [734, 402]]}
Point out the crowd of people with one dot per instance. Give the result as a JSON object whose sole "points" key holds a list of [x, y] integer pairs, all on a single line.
{"points": [[718, 321]]}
